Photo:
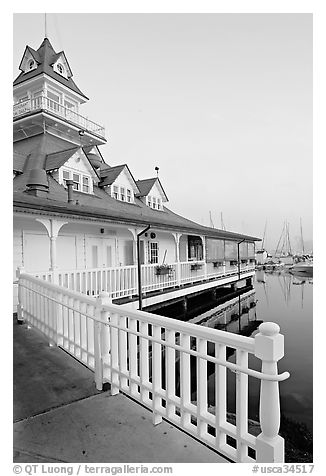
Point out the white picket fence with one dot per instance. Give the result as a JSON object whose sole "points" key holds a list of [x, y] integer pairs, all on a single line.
{"points": [[122, 281], [152, 359]]}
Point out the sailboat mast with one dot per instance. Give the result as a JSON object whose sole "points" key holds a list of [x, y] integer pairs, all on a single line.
{"points": [[302, 242], [211, 224], [222, 222], [278, 244], [263, 242]]}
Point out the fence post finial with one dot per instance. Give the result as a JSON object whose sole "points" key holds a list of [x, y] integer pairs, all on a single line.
{"points": [[102, 338], [269, 347]]}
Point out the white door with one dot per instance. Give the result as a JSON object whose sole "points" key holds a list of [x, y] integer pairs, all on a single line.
{"points": [[100, 253]]}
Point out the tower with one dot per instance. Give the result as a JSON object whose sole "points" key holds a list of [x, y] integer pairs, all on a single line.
{"points": [[47, 102]]}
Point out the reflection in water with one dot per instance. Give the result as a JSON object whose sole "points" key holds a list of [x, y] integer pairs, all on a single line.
{"points": [[287, 300]]}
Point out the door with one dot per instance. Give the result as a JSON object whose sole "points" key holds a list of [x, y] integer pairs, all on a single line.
{"points": [[100, 253]]}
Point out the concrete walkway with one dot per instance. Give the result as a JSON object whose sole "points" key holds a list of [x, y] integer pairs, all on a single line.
{"points": [[59, 416]]}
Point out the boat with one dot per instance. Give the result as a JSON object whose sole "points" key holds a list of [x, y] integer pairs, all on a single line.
{"points": [[304, 263], [303, 268]]}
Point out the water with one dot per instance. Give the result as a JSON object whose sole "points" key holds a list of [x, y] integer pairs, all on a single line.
{"points": [[286, 300]]}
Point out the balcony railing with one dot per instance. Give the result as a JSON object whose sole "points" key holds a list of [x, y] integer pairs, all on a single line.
{"points": [[122, 281], [163, 364], [46, 104]]}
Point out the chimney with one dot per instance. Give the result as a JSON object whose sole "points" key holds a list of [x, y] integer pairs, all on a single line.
{"points": [[37, 183], [70, 184]]}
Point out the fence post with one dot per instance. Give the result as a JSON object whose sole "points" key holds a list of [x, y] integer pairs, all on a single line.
{"points": [[20, 307], [269, 347], [101, 338]]}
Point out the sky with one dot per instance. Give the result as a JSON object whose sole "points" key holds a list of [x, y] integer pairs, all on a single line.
{"points": [[221, 103]]}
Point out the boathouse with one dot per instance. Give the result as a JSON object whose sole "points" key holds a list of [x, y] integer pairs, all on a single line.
{"points": [[76, 217]]}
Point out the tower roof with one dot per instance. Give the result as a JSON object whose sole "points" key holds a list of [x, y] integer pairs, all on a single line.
{"points": [[45, 57]]}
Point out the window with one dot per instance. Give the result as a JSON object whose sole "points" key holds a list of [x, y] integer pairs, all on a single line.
{"points": [[37, 99], [115, 192], [154, 202], [81, 183], [65, 175], [86, 184], [122, 194], [195, 248], [31, 64], [53, 102], [153, 252], [76, 179], [128, 195], [60, 68]]}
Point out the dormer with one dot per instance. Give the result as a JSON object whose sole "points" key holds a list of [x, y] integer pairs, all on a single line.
{"points": [[119, 183], [61, 66], [72, 164], [152, 193], [30, 60]]}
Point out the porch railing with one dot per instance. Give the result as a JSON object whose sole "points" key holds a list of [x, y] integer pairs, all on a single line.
{"points": [[122, 281], [162, 363], [47, 104]]}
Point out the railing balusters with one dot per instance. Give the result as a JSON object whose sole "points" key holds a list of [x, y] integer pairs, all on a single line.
{"points": [[241, 405], [201, 387], [133, 357], [156, 374], [144, 362], [220, 396], [170, 372], [123, 352], [114, 362], [185, 379]]}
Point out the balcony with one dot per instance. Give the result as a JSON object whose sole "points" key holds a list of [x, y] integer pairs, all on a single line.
{"points": [[122, 281], [43, 103]]}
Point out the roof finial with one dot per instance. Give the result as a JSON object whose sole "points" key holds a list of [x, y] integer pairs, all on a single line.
{"points": [[45, 32], [157, 169]]}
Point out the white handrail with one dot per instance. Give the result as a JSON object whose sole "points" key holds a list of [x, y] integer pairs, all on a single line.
{"points": [[128, 348]]}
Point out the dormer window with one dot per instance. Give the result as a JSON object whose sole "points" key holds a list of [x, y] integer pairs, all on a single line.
{"points": [[31, 64], [82, 183], [76, 179], [85, 184], [122, 194], [154, 202], [128, 195], [60, 68]]}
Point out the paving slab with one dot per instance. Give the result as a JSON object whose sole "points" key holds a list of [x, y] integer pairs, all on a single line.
{"points": [[106, 429], [45, 377]]}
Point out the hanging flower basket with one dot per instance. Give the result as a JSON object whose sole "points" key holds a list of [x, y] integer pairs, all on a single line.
{"points": [[195, 266], [163, 270]]}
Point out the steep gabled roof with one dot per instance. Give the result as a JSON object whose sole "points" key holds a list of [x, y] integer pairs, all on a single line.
{"points": [[146, 185], [45, 56], [110, 174], [57, 159], [33, 53]]}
